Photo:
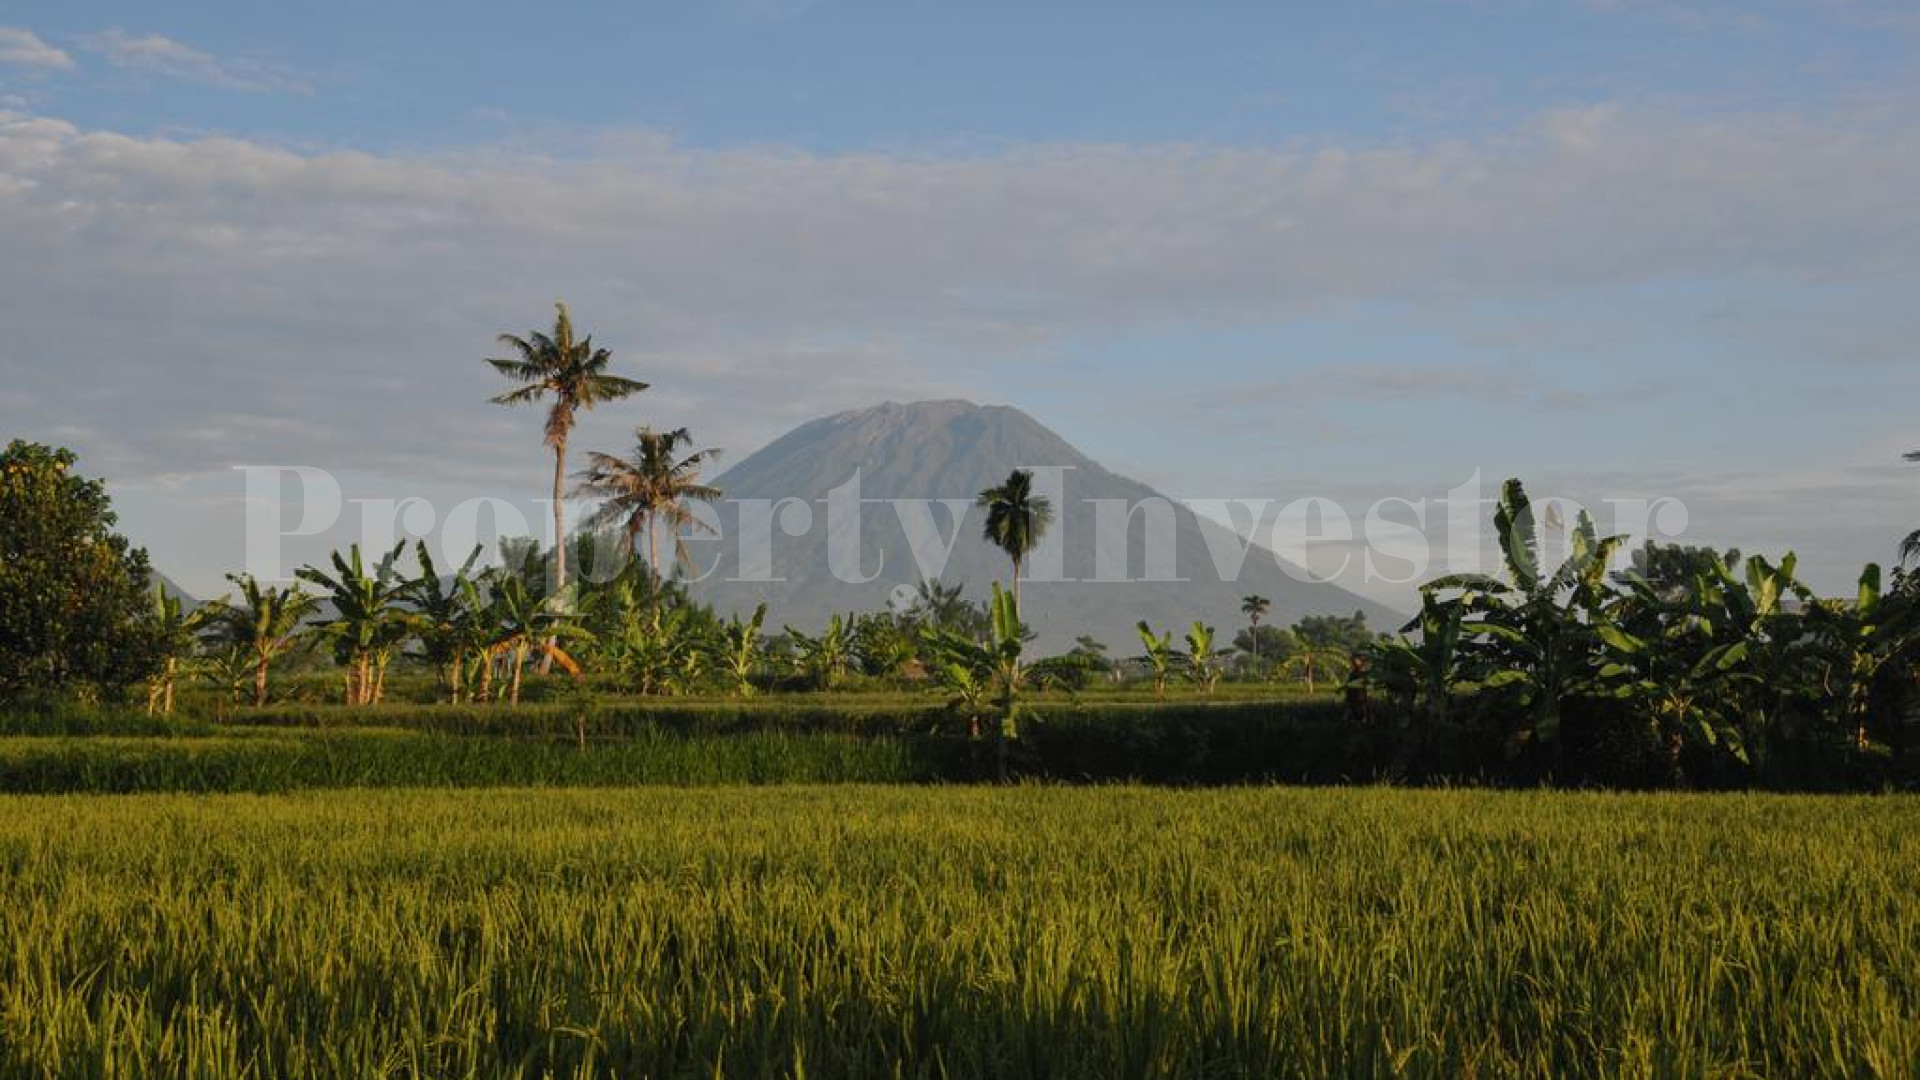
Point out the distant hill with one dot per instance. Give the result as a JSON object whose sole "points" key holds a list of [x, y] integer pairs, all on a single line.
{"points": [[953, 450], [187, 599]]}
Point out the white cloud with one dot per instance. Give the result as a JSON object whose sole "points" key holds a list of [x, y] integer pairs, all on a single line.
{"points": [[23, 48], [333, 308], [154, 54], [220, 277]]}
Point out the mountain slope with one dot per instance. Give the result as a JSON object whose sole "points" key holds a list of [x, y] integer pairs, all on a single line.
{"points": [[951, 450]]}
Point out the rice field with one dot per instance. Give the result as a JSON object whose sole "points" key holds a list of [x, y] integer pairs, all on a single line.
{"points": [[859, 931]]}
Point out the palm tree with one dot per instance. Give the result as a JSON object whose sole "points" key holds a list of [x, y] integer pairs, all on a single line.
{"points": [[575, 374], [1016, 520], [263, 625], [651, 489], [1255, 608]]}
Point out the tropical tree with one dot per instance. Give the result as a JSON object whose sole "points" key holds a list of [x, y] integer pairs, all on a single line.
{"points": [[881, 645], [939, 605], [447, 618], [1160, 658], [988, 680], [518, 621], [264, 624], [1856, 642], [1016, 520], [178, 631], [1535, 627], [573, 373], [1202, 660], [651, 490], [742, 647], [666, 653], [367, 619], [1422, 673], [75, 614], [1711, 662], [1255, 608], [1311, 662], [825, 658]]}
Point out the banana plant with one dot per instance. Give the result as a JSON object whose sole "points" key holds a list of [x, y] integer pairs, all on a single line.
{"points": [[1423, 673], [1313, 662], [367, 620], [1682, 681], [988, 680], [825, 658], [1203, 667], [518, 622], [179, 632], [1856, 642], [666, 653], [447, 618], [1534, 629], [264, 625], [741, 649], [1161, 659]]}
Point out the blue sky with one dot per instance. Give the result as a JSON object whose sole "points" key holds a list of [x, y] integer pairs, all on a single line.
{"points": [[1623, 247]]}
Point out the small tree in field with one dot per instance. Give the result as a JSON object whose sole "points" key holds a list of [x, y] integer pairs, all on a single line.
{"points": [[75, 613], [263, 625]]}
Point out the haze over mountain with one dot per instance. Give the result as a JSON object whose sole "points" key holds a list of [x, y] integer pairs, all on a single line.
{"points": [[951, 450]]}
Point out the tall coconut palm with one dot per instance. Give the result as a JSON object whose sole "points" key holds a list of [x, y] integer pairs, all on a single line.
{"points": [[1016, 520], [651, 490], [262, 625], [1255, 608], [574, 374]]}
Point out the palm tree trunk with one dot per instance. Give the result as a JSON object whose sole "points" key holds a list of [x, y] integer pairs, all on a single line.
{"points": [[653, 550], [260, 681], [1016, 583], [559, 541], [173, 673]]}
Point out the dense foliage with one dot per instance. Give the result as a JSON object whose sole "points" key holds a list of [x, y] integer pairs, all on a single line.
{"points": [[75, 613], [1691, 664]]}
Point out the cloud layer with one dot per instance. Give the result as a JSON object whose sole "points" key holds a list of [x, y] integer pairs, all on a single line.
{"points": [[176, 307], [154, 54], [24, 48]]}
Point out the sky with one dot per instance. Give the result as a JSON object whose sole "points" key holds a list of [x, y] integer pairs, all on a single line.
{"points": [[1622, 248]]}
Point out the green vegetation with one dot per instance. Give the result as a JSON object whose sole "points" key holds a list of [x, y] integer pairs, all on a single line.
{"points": [[75, 616], [1004, 933], [1685, 668]]}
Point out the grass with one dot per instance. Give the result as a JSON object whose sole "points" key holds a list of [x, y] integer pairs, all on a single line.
{"points": [[270, 760], [964, 932]]}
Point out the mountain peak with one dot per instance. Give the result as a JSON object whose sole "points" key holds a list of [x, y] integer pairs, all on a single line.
{"points": [[952, 450]]}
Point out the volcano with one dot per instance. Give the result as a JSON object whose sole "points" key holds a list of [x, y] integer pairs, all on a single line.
{"points": [[947, 452]]}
